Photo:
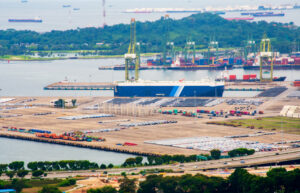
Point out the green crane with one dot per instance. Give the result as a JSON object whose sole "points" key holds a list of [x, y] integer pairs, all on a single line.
{"points": [[167, 45], [132, 60], [213, 44], [190, 47], [250, 47]]}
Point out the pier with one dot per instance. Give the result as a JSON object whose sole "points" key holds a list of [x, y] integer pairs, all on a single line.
{"points": [[80, 86]]}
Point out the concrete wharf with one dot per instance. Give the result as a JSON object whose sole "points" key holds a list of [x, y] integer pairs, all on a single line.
{"points": [[80, 86]]}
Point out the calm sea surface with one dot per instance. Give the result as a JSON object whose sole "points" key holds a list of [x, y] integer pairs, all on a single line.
{"points": [[90, 14], [20, 78], [27, 151]]}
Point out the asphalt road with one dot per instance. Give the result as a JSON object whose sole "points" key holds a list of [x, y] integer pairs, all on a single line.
{"points": [[246, 161]]}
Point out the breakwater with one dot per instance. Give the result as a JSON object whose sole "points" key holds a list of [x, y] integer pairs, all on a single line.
{"points": [[75, 144]]}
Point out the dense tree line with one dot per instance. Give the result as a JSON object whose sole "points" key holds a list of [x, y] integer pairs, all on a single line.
{"points": [[115, 39], [240, 181], [167, 159]]}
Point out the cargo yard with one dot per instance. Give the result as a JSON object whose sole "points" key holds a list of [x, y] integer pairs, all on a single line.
{"points": [[141, 125]]}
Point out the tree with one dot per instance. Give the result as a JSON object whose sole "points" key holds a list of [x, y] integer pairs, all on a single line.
{"points": [[63, 165], [130, 161], [278, 177], [41, 165], [16, 165], [18, 184], [150, 159], [151, 184], [110, 165], [3, 167], [10, 174], [166, 158], [127, 185], [50, 189], [74, 102], [105, 189], [215, 154], [32, 165], [138, 160], [102, 166], [67, 182], [22, 173], [239, 181], [60, 103], [158, 160], [169, 184], [55, 166], [37, 173]]}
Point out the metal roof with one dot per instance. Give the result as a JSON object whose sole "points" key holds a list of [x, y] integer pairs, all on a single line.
{"points": [[7, 190]]}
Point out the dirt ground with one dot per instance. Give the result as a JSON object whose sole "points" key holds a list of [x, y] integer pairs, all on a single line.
{"points": [[184, 128]]}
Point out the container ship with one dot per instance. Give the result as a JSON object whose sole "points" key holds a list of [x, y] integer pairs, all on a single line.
{"points": [[142, 88], [247, 78], [263, 14], [292, 62], [35, 20], [268, 15]]}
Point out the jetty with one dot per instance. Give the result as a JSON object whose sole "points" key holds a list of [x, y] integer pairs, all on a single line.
{"points": [[80, 86]]}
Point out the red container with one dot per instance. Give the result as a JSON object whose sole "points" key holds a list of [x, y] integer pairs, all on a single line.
{"points": [[246, 77], [232, 77], [253, 76], [284, 61], [297, 83], [296, 60]]}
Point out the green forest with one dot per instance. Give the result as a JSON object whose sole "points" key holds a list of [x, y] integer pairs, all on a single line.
{"points": [[112, 40]]}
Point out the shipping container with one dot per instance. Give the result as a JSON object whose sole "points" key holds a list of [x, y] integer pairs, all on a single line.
{"points": [[232, 77]]}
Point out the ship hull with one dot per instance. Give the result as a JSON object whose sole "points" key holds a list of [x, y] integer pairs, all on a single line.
{"points": [[278, 67], [169, 91], [26, 20]]}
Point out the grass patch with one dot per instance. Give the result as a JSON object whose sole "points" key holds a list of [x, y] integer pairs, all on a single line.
{"points": [[287, 124], [37, 189], [41, 183]]}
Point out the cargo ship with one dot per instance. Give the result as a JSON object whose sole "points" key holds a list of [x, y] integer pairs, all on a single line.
{"points": [[35, 20], [263, 14], [142, 88], [268, 14], [252, 13], [249, 78]]}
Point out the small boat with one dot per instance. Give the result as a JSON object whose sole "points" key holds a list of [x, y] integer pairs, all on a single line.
{"points": [[66, 6], [76, 9]]}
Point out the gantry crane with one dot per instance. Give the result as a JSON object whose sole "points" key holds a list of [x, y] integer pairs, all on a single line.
{"points": [[264, 56], [132, 60], [189, 48], [167, 45], [250, 47], [213, 44]]}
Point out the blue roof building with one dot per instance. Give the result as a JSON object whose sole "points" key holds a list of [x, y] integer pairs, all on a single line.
{"points": [[7, 191]]}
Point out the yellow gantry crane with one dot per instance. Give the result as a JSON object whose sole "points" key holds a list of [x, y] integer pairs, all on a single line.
{"points": [[132, 58], [265, 55]]}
